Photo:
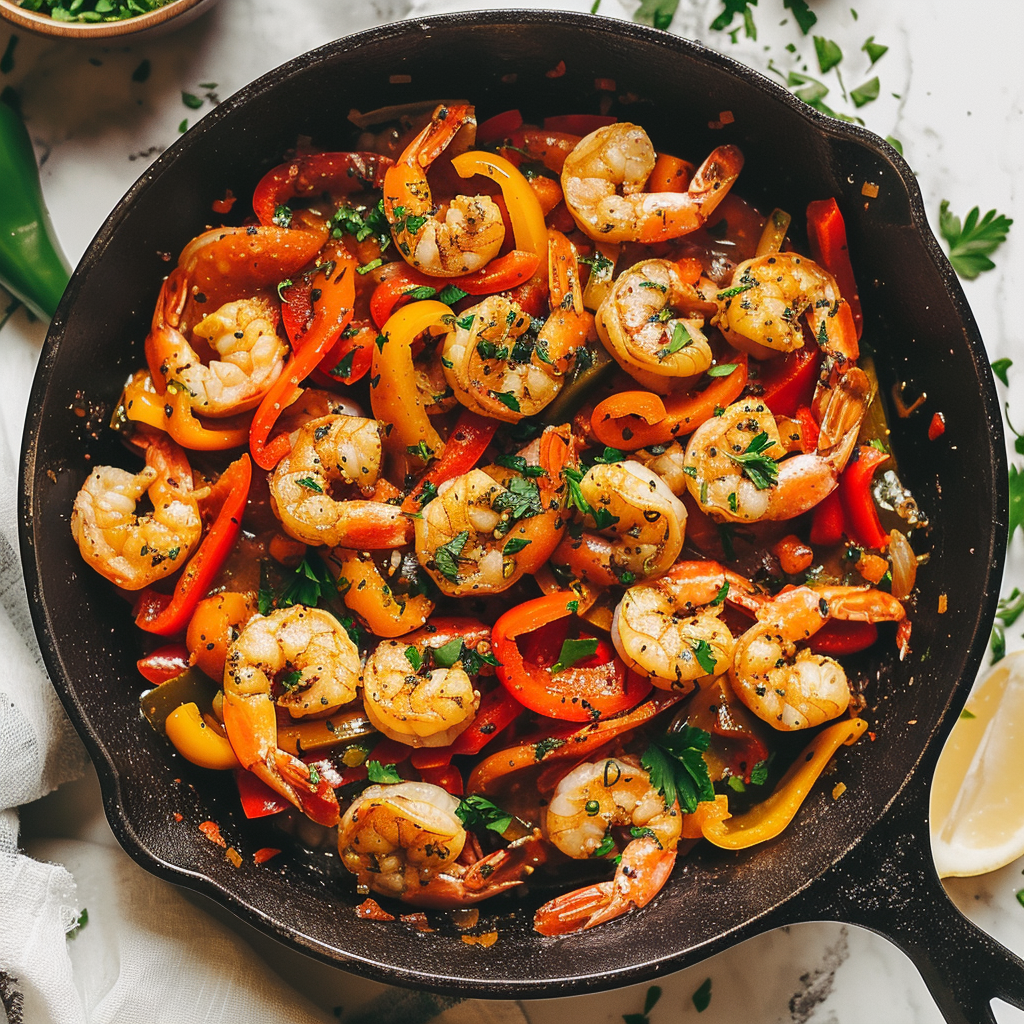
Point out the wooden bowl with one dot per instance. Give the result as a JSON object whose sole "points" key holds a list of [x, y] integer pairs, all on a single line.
{"points": [[171, 16]]}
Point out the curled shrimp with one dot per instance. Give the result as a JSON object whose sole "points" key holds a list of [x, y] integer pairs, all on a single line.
{"points": [[795, 689], [569, 323], [670, 628], [761, 312], [243, 334], [635, 528], [410, 698], [493, 366], [405, 841], [622, 156], [334, 451], [132, 550], [736, 464], [591, 800], [485, 529], [471, 231], [641, 326], [307, 655]]}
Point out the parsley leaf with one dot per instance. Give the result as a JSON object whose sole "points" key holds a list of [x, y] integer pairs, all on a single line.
{"points": [[730, 8], [506, 399], [971, 244], [610, 456], [598, 263], [677, 768], [414, 658], [519, 464], [447, 654], [311, 582], [999, 368], [702, 652], [446, 558], [658, 13], [382, 773], [475, 812], [521, 499], [702, 997], [1010, 609], [601, 516], [606, 847], [722, 369], [515, 545], [680, 339], [574, 651], [829, 54], [451, 294], [875, 51], [866, 93], [191, 100], [282, 216], [759, 773], [344, 366], [310, 484], [427, 493], [804, 16], [761, 469]]}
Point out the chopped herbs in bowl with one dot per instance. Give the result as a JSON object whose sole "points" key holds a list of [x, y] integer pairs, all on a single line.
{"points": [[93, 10], [98, 19]]}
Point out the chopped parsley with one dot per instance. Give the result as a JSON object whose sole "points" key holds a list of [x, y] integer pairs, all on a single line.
{"points": [[515, 545], [722, 369], [414, 658], [362, 224], [759, 773], [1016, 499], [999, 368], [1009, 610], [866, 93], [829, 54], [702, 997], [610, 456], [574, 651], [875, 51], [601, 516], [761, 469], [680, 340], [476, 812], [507, 399], [805, 17], [521, 499], [382, 773], [606, 847], [520, 465], [451, 294], [372, 265], [190, 100], [344, 365], [290, 680], [973, 242], [446, 558], [598, 263], [466, 323], [702, 652], [420, 451], [730, 8], [447, 654], [427, 493], [282, 216], [678, 769], [311, 581], [310, 484]]}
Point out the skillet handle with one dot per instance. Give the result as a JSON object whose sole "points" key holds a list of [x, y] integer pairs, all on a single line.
{"points": [[888, 884]]}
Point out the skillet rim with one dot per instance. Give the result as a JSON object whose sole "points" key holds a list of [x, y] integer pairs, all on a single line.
{"points": [[834, 131]]}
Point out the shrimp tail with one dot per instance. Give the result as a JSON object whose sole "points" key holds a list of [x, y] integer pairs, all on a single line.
{"points": [[315, 799], [642, 873]]}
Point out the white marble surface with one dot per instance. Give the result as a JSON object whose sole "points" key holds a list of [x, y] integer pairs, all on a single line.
{"points": [[956, 70]]}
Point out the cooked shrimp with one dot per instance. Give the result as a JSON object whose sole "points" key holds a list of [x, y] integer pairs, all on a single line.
{"points": [[642, 328], [795, 689], [486, 528], [244, 334], [327, 451], [736, 464], [132, 550], [670, 628], [569, 323], [410, 699], [769, 296], [622, 156], [635, 530], [404, 840], [471, 232], [586, 805], [492, 364], [667, 461], [308, 654]]}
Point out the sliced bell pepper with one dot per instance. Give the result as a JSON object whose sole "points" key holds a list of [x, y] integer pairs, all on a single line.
{"points": [[545, 145], [385, 751], [788, 381], [317, 173], [670, 174], [826, 232], [767, 819], [333, 313], [446, 776], [521, 200], [827, 522], [773, 235], [462, 451], [394, 396], [258, 799], [370, 597], [558, 742], [498, 127], [164, 663], [837, 638], [809, 428], [574, 694], [859, 510], [204, 565], [200, 738], [547, 191], [172, 412], [638, 419]]}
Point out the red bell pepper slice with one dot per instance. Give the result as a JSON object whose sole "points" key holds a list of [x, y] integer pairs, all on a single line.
{"points": [[258, 799], [837, 638], [575, 694], [499, 127], [333, 313], [508, 271], [788, 382], [385, 752], [577, 124], [315, 174], [826, 232], [858, 503], [462, 451], [164, 663], [446, 776], [172, 616], [809, 428], [827, 522]]}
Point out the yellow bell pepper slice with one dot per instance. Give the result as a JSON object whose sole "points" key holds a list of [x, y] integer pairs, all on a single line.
{"points": [[524, 209], [393, 394], [771, 816], [199, 739]]}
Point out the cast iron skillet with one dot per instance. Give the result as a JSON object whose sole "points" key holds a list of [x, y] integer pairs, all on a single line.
{"points": [[863, 859]]}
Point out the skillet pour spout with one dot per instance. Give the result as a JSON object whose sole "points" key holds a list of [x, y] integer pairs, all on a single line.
{"points": [[863, 859]]}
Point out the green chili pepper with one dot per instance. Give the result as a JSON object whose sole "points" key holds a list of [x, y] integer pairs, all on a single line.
{"points": [[572, 396], [32, 266]]}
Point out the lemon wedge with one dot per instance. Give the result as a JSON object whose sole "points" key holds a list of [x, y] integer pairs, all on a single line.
{"points": [[977, 800]]}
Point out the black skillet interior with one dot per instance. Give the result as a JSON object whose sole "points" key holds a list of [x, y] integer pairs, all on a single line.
{"points": [[916, 317]]}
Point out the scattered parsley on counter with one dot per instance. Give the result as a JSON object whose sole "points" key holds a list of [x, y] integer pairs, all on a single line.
{"points": [[650, 1001], [7, 60], [999, 368], [658, 13], [1016, 500], [702, 997], [190, 100], [829, 54], [973, 242], [1010, 609]]}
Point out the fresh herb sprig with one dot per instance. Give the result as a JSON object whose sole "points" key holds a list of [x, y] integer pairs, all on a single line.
{"points": [[972, 242], [678, 769]]}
